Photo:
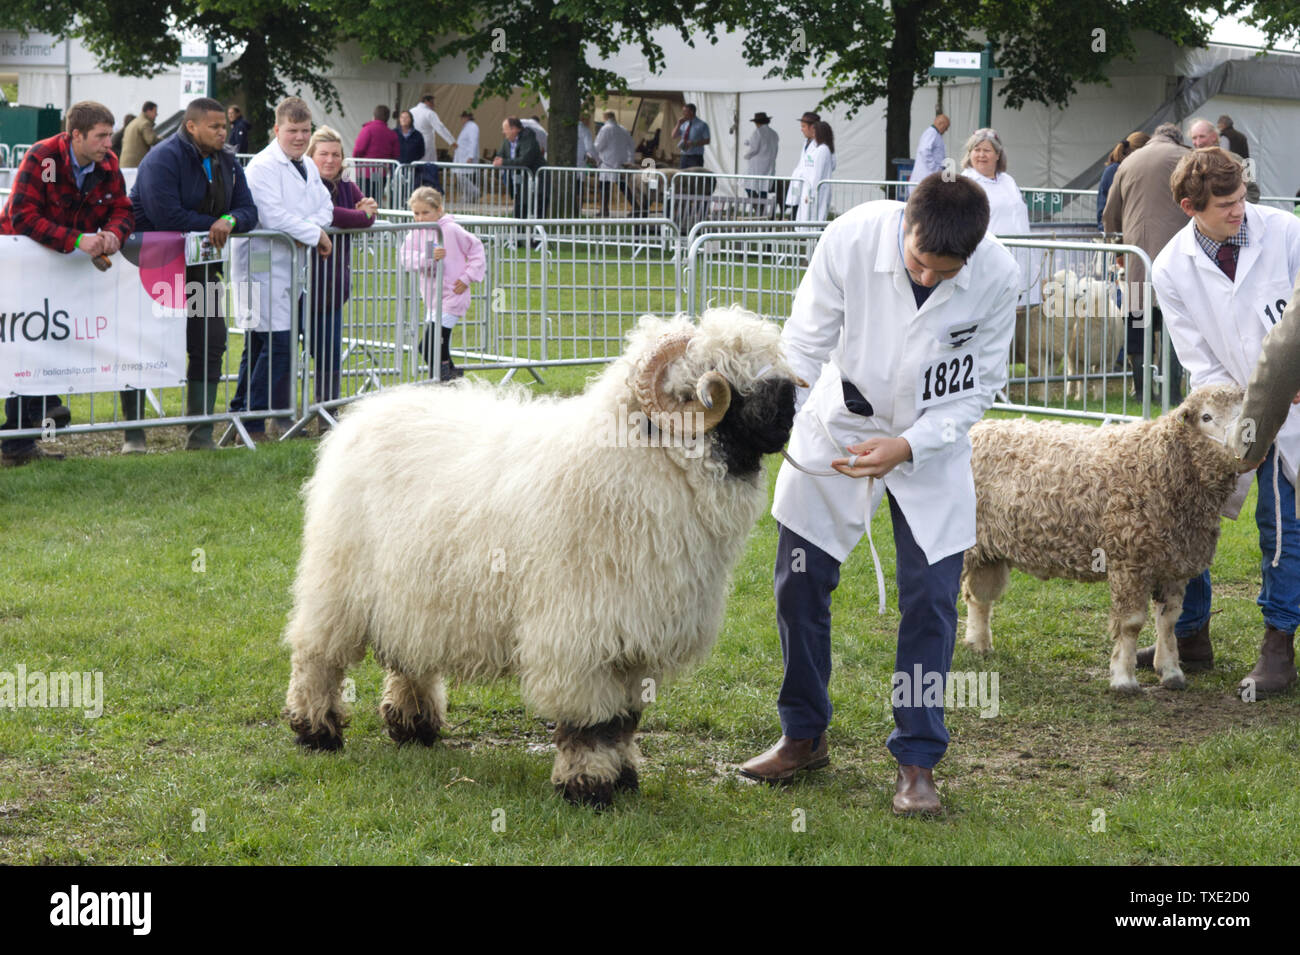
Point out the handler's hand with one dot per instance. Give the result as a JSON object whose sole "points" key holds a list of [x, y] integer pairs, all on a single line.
{"points": [[92, 245], [324, 246], [876, 457], [219, 231]]}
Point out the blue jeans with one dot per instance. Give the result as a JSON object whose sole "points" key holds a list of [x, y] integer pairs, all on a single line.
{"points": [[1279, 594], [927, 633], [263, 366]]}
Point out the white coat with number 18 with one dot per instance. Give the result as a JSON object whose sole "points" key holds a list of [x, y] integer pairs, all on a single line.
{"points": [[1216, 324], [928, 373]]}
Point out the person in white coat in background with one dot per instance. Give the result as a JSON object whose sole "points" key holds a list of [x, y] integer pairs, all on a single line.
{"points": [[1223, 282], [903, 322], [816, 204], [467, 152], [615, 150], [430, 126], [985, 161], [930, 151], [800, 188], [760, 155], [290, 198], [586, 143]]}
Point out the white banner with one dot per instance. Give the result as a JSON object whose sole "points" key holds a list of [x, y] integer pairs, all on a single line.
{"points": [[66, 327]]}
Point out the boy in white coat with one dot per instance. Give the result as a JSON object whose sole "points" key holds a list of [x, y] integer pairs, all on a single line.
{"points": [[291, 198], [903, 321], [1223, 282]]}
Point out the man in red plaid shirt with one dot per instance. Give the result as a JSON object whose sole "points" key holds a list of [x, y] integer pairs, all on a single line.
{"points": [[69, 195]]}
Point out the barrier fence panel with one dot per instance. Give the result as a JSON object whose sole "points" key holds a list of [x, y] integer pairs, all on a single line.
{"points": [[844, 194], [759, 270], [697, 195], [1076, 352], [5, 160], [574, 193], [1285, 203], [374, 177], [213, 307], [17, 153], [479, 189]]}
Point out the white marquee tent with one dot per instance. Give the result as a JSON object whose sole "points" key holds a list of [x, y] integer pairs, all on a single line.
{"points": [[1046, 147]]}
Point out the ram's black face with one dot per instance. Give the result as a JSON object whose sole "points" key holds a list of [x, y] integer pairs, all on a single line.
{"points": [[756, 424]]}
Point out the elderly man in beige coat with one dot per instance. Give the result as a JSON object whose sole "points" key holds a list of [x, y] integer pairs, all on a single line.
{"points": [[1141, 207], [139, 137]]}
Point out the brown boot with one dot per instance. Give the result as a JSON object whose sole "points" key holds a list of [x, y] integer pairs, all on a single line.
{"points": [[1194, 653], [914, 791], [789, 756], [1275, 669]]}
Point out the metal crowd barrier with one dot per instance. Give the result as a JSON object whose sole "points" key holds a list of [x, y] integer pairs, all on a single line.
{"points": [[17, 153], [1285, 203], [4, 156], [224, 297], [1070, 355], [697, 195]]}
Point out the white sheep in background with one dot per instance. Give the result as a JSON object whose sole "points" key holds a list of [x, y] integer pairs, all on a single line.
{"points": [[1086, 327], [471, 533], [1136, 505]]}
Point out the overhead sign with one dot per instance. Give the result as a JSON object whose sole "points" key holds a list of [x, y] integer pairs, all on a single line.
{"points": [[948, 60], [35, 49], [194, 76]]}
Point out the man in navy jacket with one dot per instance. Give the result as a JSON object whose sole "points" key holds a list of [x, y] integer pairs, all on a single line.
{"points": [[191, 183]]}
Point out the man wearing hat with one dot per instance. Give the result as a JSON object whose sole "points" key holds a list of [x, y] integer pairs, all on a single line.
{"points": [[760, 151]]}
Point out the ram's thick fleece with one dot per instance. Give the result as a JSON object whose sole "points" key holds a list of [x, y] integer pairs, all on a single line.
{"points": [[468, 532], [1136, 505]]}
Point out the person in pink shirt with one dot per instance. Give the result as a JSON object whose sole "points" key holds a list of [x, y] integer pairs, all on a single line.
{"points": [[463, 263], [376, 141]]}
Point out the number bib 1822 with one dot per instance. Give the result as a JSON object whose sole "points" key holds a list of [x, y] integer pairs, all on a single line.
{"points": [[947, 378]]}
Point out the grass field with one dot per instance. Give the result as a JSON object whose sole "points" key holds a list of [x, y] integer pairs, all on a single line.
{"points": [[170, 575]]}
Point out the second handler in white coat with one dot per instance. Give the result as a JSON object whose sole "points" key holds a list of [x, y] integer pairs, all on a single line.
{"points": [[903, 321]]}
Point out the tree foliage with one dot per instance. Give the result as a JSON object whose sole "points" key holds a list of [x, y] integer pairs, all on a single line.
{"points": [[877, 49]]}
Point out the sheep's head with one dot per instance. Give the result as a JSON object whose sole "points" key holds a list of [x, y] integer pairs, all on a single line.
{"points": [[1212, 410], [724, 381]]}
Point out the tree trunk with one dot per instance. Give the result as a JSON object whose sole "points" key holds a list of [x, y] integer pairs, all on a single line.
{"points": [[254, 69], [562, 145], [902, 70]]}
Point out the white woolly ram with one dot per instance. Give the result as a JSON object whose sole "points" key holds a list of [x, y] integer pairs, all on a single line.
{"points": [[1136, 505], [584, 544]]}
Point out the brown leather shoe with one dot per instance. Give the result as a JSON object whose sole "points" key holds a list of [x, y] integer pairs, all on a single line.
{"points": [[1275, 669], [789, 756], [914, 791], [1194, 653]]}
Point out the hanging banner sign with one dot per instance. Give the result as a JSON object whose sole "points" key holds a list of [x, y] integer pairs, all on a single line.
{"points": [[65, 326]]}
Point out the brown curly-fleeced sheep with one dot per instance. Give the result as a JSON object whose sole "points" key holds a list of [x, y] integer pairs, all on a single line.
{"points": [[1136, 505]]}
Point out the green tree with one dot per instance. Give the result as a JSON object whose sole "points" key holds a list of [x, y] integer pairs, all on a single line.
{"points": [[870, 49], [282, 45], [540, 45]]}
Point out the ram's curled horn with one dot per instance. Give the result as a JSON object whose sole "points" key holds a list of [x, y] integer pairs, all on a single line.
{"points": [[713, 393]]}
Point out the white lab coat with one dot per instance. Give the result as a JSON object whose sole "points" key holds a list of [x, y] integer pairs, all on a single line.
{"points": [[285, 203], [1008, 215], [1217, 326], [855, 317], [427, 122], [467, 143], [930, 154], [586, 145], [614, 148], [816, 162], [760, 151]]}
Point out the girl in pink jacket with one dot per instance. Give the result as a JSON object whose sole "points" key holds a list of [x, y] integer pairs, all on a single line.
{"points": [[463, 263]]}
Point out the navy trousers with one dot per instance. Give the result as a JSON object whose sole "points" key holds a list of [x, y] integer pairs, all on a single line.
{"points": [[805, 578]]}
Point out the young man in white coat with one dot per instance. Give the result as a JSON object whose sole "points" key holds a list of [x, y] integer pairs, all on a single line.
{"points": [[291, 198], [800, 186], [1223, 282], [903, 321]]}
